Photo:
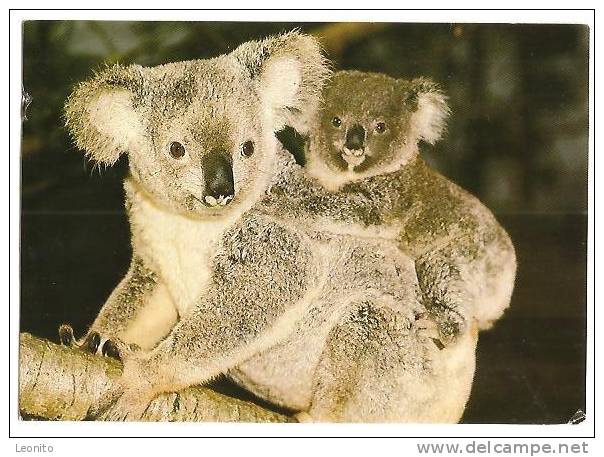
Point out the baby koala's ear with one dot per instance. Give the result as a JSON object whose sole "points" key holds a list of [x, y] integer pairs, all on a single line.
{"points": [[430, 110], [288, 72], [100, 115]]}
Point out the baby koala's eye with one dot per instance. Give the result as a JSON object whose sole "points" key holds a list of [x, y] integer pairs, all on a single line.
{"points": [[336, 122], [380, 127], [177, 150], [247, 149]]}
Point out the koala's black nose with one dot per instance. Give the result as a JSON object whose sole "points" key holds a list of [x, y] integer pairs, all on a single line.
{"points": [[355, 137], [218, 175]]}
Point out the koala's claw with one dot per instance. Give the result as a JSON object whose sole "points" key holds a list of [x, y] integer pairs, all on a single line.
{"points": [[91, 344], [67, 338], [110, 349], [66, 335]]}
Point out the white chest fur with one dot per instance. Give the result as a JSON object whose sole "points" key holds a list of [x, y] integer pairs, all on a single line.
{"points": [[178, 248]]}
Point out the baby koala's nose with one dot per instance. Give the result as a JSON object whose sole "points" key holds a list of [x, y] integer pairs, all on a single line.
{"points": [[355, 137], [218, 176]]}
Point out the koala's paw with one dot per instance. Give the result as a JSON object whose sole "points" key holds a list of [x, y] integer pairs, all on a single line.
{"points": [[91, 344], [428, 328], [451, 322]]}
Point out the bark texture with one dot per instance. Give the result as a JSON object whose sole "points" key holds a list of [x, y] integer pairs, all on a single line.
{"points": [[61, 383]]}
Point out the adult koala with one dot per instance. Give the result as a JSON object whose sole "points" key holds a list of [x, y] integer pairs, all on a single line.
{"points": [[216, 283]]}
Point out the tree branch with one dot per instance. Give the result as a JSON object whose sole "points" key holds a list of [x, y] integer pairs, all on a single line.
{"points": [[61, 383], [336, 37]]}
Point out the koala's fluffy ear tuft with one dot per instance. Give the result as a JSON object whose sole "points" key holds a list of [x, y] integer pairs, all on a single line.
{"points": [[288, 72], [100, 115], [431, 111]]}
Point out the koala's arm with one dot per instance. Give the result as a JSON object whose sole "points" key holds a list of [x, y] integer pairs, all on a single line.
{"points": [[468, 279], [295, 195], [139, 310], [444, 292], [259, 286]]}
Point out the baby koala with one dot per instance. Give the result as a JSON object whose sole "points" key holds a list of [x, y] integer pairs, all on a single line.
{"points": [[363, 148]]}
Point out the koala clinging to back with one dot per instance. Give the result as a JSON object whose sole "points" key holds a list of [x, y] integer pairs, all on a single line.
{"points": [[363, 147], [220, 283]]}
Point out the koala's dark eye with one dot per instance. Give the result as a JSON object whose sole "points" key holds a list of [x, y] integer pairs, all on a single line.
{"points": [[380, 127], [247, 149], [336, 122], [177, 150]]}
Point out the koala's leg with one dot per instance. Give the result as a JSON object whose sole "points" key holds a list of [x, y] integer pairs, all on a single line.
{"points": [[377, 367], [139, 311]]}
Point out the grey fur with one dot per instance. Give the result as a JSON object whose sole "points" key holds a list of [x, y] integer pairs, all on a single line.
{"points": [[464, 259], [316, 320]]}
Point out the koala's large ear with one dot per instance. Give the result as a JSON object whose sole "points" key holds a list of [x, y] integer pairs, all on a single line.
{"points": [[430, 110], [288, 72], [100, 115]]}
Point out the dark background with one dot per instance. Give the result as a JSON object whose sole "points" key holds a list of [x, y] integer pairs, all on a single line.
{"points": [[517, 139]]}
